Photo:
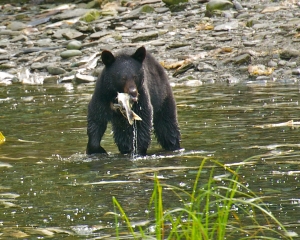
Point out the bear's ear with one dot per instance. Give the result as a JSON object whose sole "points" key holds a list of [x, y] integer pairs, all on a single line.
{"points": [[107, 57], [140, 54]]}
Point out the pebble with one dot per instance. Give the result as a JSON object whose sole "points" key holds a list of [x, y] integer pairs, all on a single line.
{"points": [[145, 36], [70, 53], [272, 64], [74, 45], [53, 70], [242, 59], [287, 54]]}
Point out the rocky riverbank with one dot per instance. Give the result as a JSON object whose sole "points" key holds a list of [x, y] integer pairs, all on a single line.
{"points": [[243, 41]]}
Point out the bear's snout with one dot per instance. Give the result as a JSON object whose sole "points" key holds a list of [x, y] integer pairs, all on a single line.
{"points": [[132, 91]]}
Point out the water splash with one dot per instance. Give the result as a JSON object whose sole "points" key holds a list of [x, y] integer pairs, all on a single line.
{"points": [[134, 153]]}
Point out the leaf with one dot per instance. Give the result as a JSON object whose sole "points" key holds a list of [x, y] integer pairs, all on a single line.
{"points": [[2, 138]]}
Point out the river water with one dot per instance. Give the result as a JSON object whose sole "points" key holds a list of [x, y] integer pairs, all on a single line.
{"points": [[50, 188]]}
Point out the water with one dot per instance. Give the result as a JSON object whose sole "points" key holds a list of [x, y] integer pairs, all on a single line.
{"points": [[50, 188]]}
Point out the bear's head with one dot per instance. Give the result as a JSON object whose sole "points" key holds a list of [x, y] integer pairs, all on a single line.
{"points": [[125, 71]]}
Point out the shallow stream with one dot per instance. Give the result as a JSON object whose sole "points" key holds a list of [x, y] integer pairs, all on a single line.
{"points": [[50, 188]]}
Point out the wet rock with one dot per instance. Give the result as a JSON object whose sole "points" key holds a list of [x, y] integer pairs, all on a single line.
{"points": [[74, 45], [91, 16], [44, 42], [204, 67], [260, 26], [8, 65], [70, 53], [4, 43], [250, 43], [282, 63], [19, 38], [259, 70], [53, 70], [4, 57], [272, 64], [10, 32], [145, 36], [227, 26], [73, 34], [99, 34], [6, 78], [238, 6], [51, 79], [220, 5], [38, 66], [289, 53], [81, 78], [174, 2], [70, 14], [147, 9], [242, 59], [296, 71], [16, 26], [291, 64]]}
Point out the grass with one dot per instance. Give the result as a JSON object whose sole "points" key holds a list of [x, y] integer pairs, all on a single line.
{"points": [[221, 208]]}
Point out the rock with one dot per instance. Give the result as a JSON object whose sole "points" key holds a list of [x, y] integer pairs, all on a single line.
{"points": [[272, 64], [250, 43], [174, 2], [99, 34], [51, 79], [147, 9], [145, 36], [291, 64], [4, 57], [282, 63], [70, 14], [74, 45], [261, 26], [38, 65], [81, 78], [6, 78], [296, 71], [16, 26], [242, 59], [8, 65], [91, 16], [70, 53], [204, 67], [259, 70], [45, 42], [237, 5], [73, 34], [4, 43], [289, 53], [10, 32], [227, 26], [19, 38], [53, 70], [214, 5]]}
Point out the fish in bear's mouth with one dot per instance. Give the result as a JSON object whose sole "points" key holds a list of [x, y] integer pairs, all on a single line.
{"points": [[124, 105]]}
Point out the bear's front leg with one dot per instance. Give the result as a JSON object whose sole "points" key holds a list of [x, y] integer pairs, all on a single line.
{"points": [[123, 133], [97, 124], [95, 133], [144, 127]]}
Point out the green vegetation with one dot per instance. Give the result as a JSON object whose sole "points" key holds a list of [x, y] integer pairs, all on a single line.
{"points": [[221, 208]]}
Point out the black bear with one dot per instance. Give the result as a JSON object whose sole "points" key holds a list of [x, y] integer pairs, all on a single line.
{"points": [[137, 73]]}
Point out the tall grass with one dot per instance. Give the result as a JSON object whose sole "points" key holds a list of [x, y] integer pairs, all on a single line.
{"points": [[222, 208]]}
